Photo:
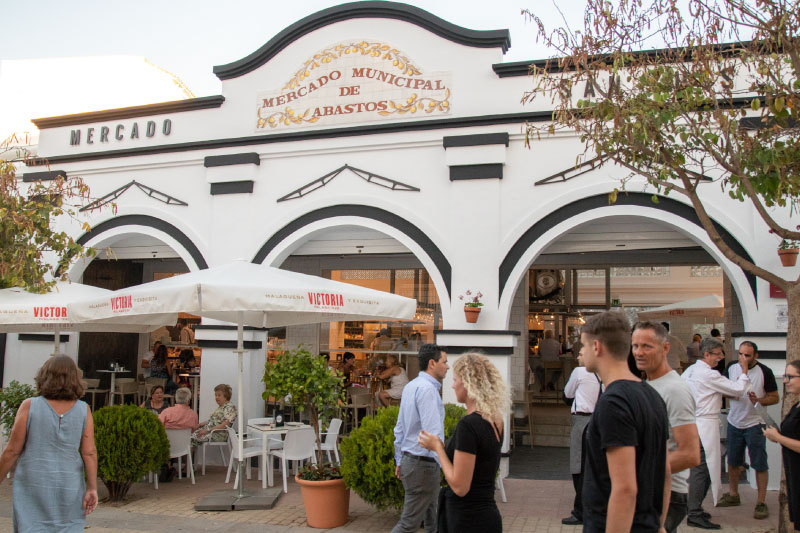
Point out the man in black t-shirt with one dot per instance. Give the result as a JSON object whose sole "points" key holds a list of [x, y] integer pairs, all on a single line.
{"points": [[626, 485]]}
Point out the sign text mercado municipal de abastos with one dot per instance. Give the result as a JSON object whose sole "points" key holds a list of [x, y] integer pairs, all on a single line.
{"points": [[354, 82]]}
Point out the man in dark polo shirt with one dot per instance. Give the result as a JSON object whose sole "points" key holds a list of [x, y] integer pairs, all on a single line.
{"points": [[626, 485]]}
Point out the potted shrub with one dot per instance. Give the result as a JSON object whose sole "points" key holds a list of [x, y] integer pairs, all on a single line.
{"points": [[472, 305], [368, 456], [787, 251], [130, 443], [11, 398], [316, 391]]}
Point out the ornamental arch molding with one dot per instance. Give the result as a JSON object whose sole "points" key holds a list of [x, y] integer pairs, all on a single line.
{"points": [[169, 234], [679, 216], [284, 241]]}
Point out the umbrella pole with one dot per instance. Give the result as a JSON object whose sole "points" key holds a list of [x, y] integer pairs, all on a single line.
{"points": [[56, 339], [240, 414]]}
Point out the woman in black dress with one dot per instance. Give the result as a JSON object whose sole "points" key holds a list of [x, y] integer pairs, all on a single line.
{"points": [[789, 439], [472, 455]]}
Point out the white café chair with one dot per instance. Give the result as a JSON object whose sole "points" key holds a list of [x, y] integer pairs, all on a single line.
{"points": [[330, 443], [93, 388], [125, 387], [180, 444], [299, 445], [252, 448], [219, 444]]}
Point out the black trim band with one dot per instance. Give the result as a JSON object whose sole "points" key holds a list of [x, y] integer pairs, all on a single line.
{"points": [[776, 334], [152, 222], [579, 207], [476, 172], [38, 337], [477, 332], [232, 187], [177, 106], [488, 350], [212, 343], [357, 10], [374, 213], [480, 139], [331, 133], [771, 354], [50, 175], [246, 158]]}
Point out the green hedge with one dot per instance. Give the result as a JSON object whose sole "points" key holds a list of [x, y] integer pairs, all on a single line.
{"points": [[11, 398], [368, 457], [130, 443]]}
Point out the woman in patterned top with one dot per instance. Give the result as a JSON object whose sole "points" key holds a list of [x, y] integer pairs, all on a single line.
{"points": [[222, 418]]}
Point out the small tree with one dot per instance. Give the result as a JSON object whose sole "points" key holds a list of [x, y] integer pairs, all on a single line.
{"points": [[11, 398], [313, 388], [130, 443], [26, 232]]}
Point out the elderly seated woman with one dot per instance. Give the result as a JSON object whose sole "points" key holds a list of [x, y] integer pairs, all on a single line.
{"points": [[398, 379], [222, 418], [180, 416]]}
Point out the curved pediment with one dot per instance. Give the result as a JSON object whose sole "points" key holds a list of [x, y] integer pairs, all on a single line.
{"points": [[356, 10]]}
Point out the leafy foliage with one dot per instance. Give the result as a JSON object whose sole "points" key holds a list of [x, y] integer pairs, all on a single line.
{"points": [[130, 442], [312, 386], [11, 398], [27, 238], [368, 456], [321, 473]]}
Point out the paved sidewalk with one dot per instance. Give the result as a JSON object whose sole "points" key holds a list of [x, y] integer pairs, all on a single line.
{"points": [[533, 506]]}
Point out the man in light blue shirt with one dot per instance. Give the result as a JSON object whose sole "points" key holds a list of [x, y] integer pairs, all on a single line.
{"points": [[421, 408]]}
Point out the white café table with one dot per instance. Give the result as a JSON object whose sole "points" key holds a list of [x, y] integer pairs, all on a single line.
{"points": [[195, 379], [113, 378], [266, 431]]}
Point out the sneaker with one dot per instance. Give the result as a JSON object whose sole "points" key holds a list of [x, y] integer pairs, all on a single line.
{"points": [[761, 512], [726, 500]]}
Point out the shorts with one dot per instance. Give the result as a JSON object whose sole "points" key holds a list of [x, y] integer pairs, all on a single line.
{"points": [[756, 443]]}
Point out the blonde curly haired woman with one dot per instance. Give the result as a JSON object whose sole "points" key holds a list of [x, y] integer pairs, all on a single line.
{"points": [[472, 455]]}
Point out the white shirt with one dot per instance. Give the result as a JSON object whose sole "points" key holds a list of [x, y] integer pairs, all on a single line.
{"points": [[708, 386], [146, 357], [742, 414], [584, 386]]}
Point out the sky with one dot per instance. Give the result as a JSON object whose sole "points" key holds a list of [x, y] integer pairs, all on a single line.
{"points": [[189, 37]]}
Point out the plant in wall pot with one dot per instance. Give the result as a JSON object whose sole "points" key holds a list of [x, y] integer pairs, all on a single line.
{"points": [[317, 392], [472, 305], [787, 251]]}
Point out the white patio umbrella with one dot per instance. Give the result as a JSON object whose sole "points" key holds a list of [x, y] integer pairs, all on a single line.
{"points": [[250, 295], [710, 306], [24, 312]]}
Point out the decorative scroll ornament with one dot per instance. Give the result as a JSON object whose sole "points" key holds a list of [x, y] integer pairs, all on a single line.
{"points": [[354, 82]]}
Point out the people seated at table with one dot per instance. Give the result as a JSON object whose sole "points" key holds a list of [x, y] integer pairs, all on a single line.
{"points": [[398, 379], [147, 357], [180, 416], [160, 367], [348, 368], [222, 418], [155, 403], [549, 350]]}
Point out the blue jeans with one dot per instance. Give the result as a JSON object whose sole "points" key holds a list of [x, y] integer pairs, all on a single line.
{"points": [[421, 483], [755, 441]]}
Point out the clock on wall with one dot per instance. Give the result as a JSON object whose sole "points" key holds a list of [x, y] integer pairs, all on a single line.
{"points": [[546, 284]]}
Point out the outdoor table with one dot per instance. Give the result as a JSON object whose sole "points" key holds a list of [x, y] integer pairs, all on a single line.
{"points": [[195, 379], [113, 378], [266, 431]]}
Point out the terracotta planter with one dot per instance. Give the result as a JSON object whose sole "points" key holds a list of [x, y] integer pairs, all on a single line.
{"points": [[472, 314], [788, 256], [327, 502]]}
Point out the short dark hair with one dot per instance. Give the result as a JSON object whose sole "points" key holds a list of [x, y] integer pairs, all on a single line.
{"points": [[58, 379], [660, 330], [665, 324], [710, 343], [348, 355], [154, 388], [795, 364], [429, 352], [612, 330], [715, 332], [751, 344]]}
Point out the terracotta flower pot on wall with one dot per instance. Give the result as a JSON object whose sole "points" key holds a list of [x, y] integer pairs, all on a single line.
{"points": [[327, 503], [788, 256], [472, 314]]}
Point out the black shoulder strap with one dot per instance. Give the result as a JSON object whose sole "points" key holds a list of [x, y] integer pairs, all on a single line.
{"points": [[600, 388]]}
